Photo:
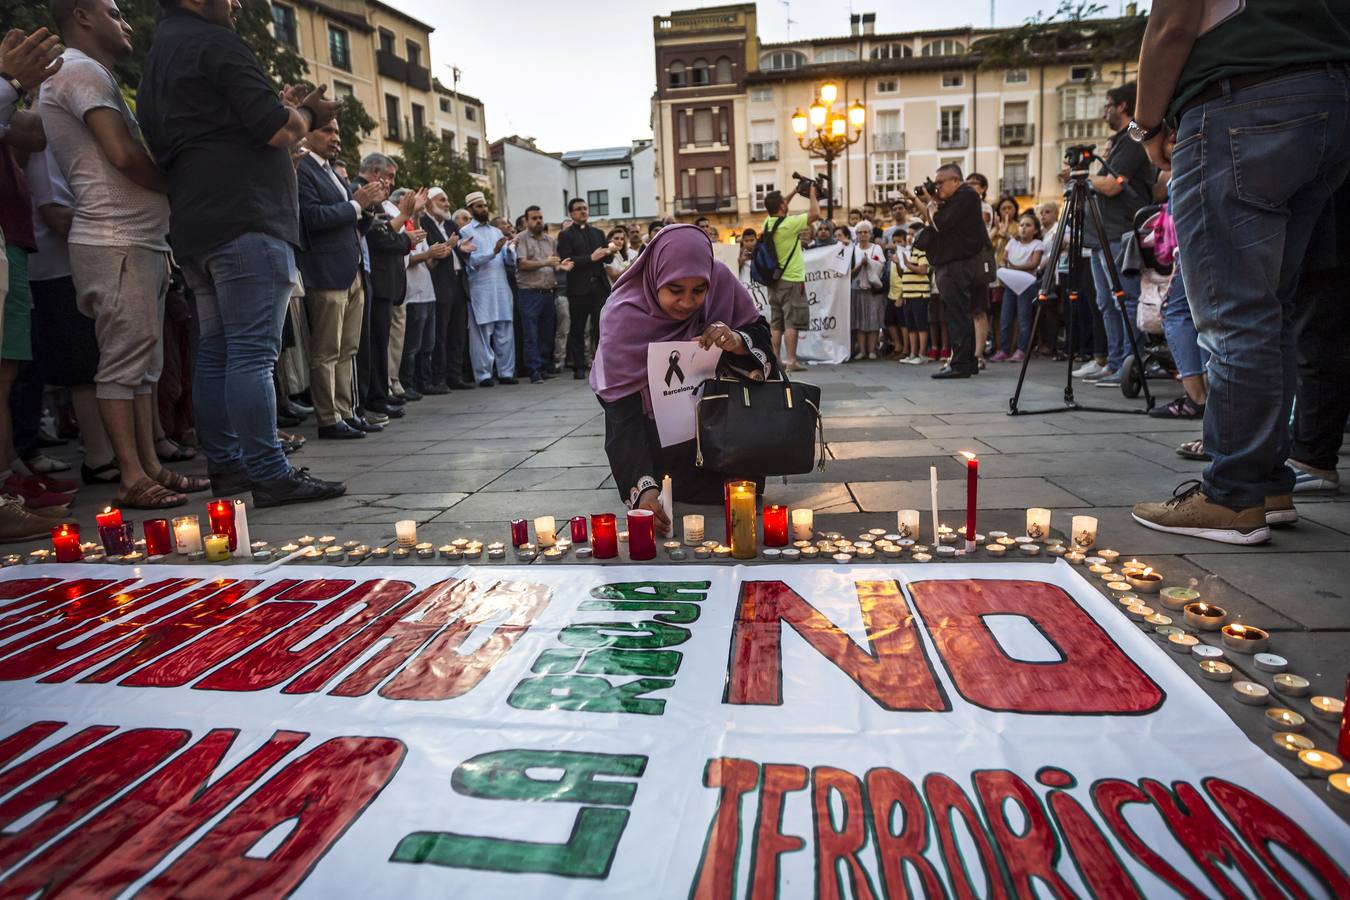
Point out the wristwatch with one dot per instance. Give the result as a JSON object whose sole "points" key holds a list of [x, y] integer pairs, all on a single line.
{"points": [[19, 90], [1144, 135]]}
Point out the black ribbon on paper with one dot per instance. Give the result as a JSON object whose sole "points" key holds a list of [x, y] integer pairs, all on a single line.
{"points": [[674, 370]]}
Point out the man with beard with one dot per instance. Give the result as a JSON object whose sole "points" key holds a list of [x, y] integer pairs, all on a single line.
{"points": [[537, 259], [587, 282], [452, 298], [491, 338]]}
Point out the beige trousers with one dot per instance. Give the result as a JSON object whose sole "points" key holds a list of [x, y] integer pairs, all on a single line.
{"points": [[334, 336]]}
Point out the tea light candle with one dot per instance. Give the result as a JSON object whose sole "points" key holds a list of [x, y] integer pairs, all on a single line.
{"points": [[1074, 558], [336, 554], [1098, 569], [702, 552], [134, 557], [773, 554], [553, 554], [1216, 670], [1181, 643], [623, 537], [1291, 685], [66, 543], [922, 557], [1007, 541], [1281, 719], [1029, 549], [641, 534], [1163, 632], [1120, 587], [1038, 522], [1251, 693], [1270, 662], [1328, 708], [1205, 616], [260, 556], [843, 558], [810, 553], [582, 553], [1084, 532], [217, 547], [1206, 651], [1244, 638], [475, 551], [379, 553], [1318, 763], [1056, 549], [1129, 599], [1292, 744], [1338, 786], [721, 551], [946, 551], [1139, 612], [546, 531], [791, 554], [1147, 581], [604, 537], [1178, 597], [670, 546], [401, 552], [1109, 556], [996, 550], [679, 555], [775, 524], [866, 553], [305, 540], [693, 529], [358, 553]]}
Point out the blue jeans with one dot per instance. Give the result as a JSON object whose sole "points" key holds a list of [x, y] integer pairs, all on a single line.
{"points": [[1019, 307], [1251, 172], [1179, 329], [242, 288], [419, 345], [1117, 341], [538, 321]]}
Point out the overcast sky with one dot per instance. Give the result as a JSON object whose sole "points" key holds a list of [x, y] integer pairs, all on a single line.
{"points": [[580, 75]]}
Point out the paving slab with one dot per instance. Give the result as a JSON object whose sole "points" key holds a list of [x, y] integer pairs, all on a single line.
{"points": [[1310, 588], [899, 449], [995, 493], [530, 478]]}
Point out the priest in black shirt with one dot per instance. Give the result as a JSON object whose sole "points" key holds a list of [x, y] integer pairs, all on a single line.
{"points": [[955, 240], [216, 126], [587, 281]]}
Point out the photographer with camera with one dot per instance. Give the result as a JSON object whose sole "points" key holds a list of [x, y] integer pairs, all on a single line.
{"points": [[777, 263], [954, 241]]}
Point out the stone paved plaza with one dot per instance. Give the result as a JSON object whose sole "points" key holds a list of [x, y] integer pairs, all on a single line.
{"points": [[464, 464]]}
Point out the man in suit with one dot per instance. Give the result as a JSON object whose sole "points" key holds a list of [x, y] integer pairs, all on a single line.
{"points": [[333, 218], [449, 279], [388, 244], [587, 282]]}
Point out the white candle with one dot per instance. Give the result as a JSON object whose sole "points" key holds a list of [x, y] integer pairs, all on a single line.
{"points": [[1084, 533], [907, 523], [1038, 522], [693, 530], [803, 524], [406, 532], [932, 486], [187, 535], [244, 546], [668, 502], [545, 531]]}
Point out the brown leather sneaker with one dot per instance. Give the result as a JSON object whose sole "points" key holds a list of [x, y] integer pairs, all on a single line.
{"points": [[1280, 510], [1191, 512], [19, 524]]}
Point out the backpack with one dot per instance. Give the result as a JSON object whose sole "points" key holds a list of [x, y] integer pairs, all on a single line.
{"points": [[764, 267]]}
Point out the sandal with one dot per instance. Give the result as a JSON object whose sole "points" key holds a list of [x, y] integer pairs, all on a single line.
{"points": [[149, 494], [108, 473], [178, 453], [1193, 450], [183, 484]]}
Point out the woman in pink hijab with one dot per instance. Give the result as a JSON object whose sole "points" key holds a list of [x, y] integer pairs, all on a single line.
{"points": [[673, 291]]}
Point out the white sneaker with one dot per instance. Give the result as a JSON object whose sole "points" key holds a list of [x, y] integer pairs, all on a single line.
{"points": [[1088, 369], [46, 465]]}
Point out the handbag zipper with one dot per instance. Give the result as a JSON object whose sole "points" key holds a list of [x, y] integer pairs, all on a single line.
{"points": [[698, 437]]}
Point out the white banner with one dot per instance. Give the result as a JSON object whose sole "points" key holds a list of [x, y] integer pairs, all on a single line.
{"points": [[986, 730], [827, 338]]}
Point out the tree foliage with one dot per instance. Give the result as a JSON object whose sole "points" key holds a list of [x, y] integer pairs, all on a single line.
{"points": [[428, 161], [1071, 31]]}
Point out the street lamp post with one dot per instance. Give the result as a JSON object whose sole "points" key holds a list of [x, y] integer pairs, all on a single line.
{"points": [[829, 131]]}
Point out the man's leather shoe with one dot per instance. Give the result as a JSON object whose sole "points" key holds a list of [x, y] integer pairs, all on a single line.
{"points": [[548, 374], [507, 380], [373, 418], [411, 394], [340, 431], [459, 384], [578, 374], [363, 426], [486, 382], [393, 412], [433, 389], [298, 487], [230, 484], [537, 378], [949, 373]]}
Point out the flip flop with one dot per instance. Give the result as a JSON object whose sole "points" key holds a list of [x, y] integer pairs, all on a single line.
{"points": [[1193, 450]]}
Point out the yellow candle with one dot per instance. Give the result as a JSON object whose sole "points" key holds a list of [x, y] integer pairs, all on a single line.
{"points": [[743, 545], [217, 547]]}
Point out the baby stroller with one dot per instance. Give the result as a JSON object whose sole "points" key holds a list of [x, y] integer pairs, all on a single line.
{"points": [[1148, 253]]}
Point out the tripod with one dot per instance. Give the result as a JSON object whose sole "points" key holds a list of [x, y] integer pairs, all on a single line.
{"points": [[1080, 202]]}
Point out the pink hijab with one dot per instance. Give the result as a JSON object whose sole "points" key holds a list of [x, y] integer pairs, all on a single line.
{"points": [[632, 318]]}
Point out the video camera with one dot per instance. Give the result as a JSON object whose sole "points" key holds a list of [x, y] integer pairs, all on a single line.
{"points": [[821, 183], [1078, 156]]}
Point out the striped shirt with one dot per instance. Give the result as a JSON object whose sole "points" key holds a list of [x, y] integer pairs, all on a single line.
{"points": [[912, 284]]}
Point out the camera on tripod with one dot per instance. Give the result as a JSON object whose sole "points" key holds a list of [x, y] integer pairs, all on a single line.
{"points": [[804, 184], [1079, 155]]}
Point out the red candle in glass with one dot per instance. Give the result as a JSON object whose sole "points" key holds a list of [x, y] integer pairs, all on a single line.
{"points": [[108, 517], [972, 488], [520, 532], [641, 534], [1343, 745], [605, 536], [66, 540], [775, 526], [157, 540], [221, 514], [579, 530], [117, 539]]}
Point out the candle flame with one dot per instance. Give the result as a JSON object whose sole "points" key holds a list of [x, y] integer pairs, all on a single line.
{"points": [[1148, 570], [968, 455], [107, 509], [1240, 630]]}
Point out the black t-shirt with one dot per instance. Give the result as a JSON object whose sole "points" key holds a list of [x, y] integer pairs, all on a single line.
{"points": [[958, 230], [1127, 158], [207, 111]]}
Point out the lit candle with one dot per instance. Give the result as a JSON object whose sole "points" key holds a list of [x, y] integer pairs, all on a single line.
{"points": [[1147, 581], [604, 536], [1181, 643], [545, 531], [972, 492], [1038, 522], [1073, 557], [1251, 693], [109, 516], [742, 541], [66, 541], [305, 540], [220, 513], [1338, 786], [999, 550], [1099, 569], [693, 529], [1328, 708], [1291, 685], [1343, 742], [803, 524], [520, 532], [156, 537], [324, 539], [1281, 719], [1318, 763], [1205, 616], [405, 530], [1292, 744], [117, 539], [1215, 670], [775, 525], [242, 544], [217, 547], [668, 502], [932, 491], [1244, 638], [641, 534], [1084, 532], [578, 530]]}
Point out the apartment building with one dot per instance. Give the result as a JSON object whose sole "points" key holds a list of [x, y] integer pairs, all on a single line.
{"points": [[724, 102], [615, 182], [462, 124]]}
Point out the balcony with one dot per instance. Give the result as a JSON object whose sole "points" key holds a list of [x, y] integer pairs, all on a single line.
{"points": [[1081, 129], [953, 139], [763, 151], [1020, 134], [477, 165], [1020, 186], [894, 140], [390, 66], [419, 77], [705, 204]]}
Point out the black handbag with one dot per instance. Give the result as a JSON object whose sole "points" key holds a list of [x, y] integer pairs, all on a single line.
{"points": [[758, 427]]}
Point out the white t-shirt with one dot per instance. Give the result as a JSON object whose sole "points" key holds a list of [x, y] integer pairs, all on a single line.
{"points": [[419, 278], [1019, 254]]}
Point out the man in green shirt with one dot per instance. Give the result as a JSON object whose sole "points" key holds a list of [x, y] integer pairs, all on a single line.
{"points": [[1256, 97], [787, 296]]}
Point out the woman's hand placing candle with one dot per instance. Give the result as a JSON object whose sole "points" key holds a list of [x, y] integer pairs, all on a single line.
{"points": [[651, 499], [723, 338]]}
